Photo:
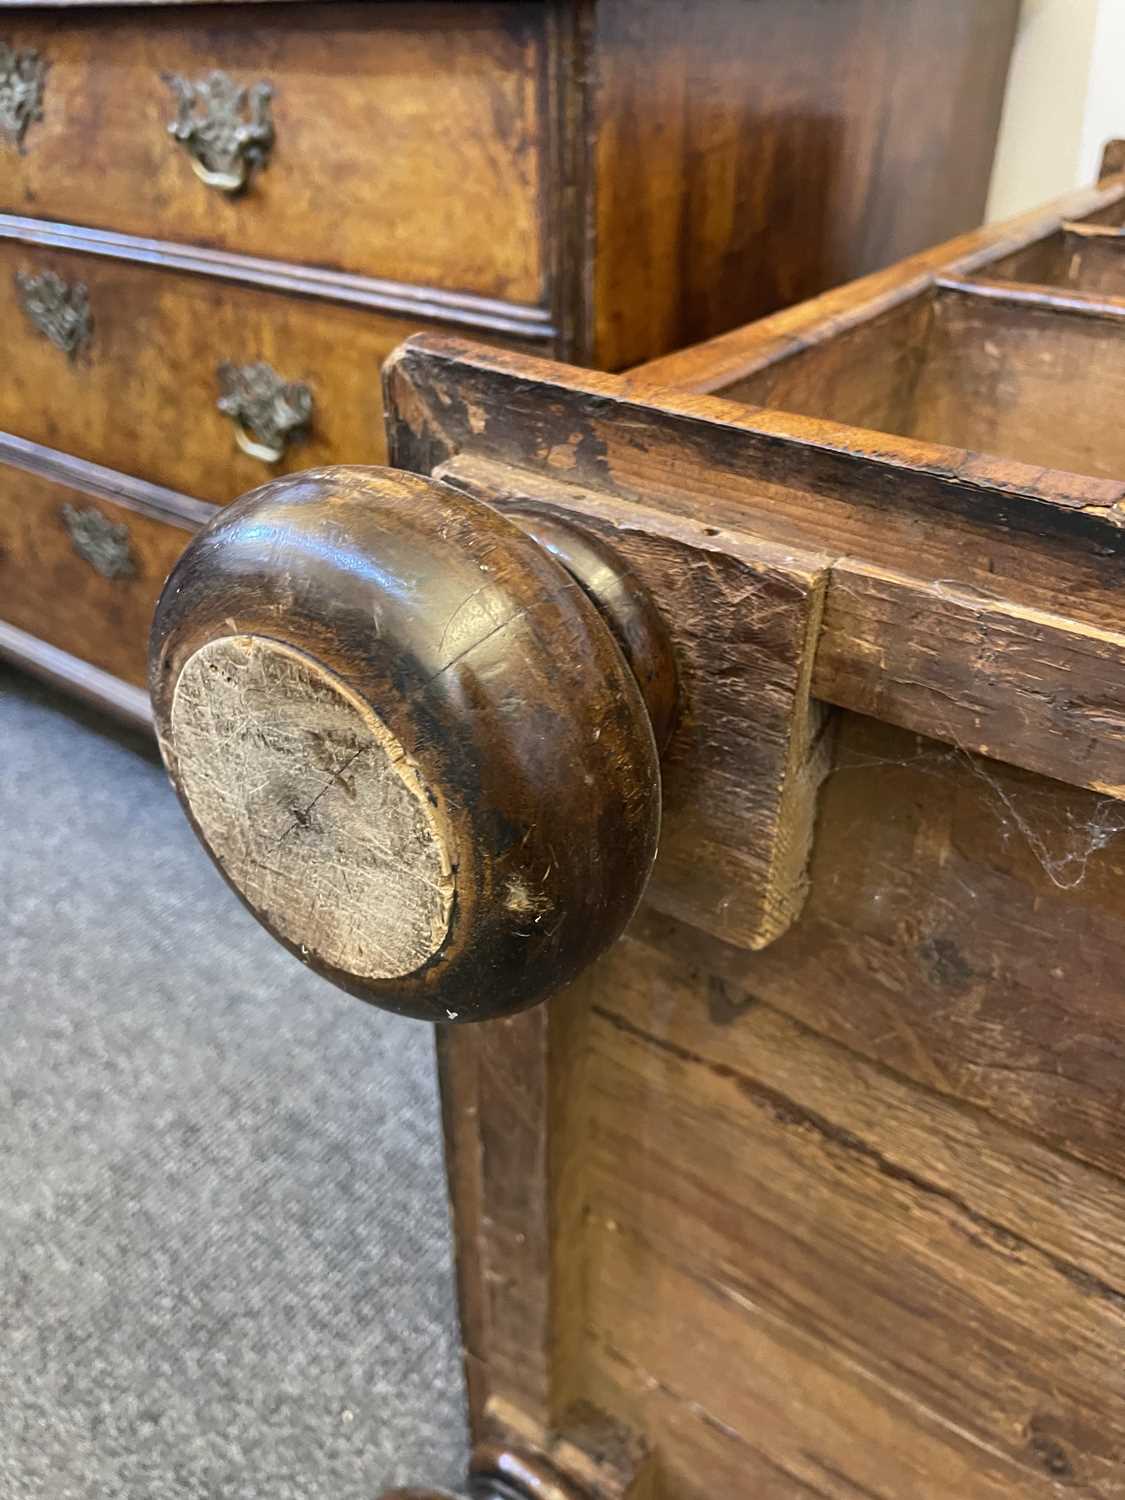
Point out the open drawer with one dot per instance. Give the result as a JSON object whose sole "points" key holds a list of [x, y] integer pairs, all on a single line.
{"points": [[812, 1183], [1008, 343], [789, 1273], [967, 364]]}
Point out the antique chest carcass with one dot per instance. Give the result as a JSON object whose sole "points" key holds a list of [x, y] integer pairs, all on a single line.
{"points": [[736, 745]]}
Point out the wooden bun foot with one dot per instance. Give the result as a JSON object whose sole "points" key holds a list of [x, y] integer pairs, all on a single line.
{"points": [[500, 1473], [418, 739], [413, 1494]]}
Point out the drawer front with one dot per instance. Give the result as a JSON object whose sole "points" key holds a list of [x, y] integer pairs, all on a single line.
{"points": [[139, 390], [82, 573], [405, 138]]}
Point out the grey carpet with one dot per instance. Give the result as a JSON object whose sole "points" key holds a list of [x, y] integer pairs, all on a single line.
{"points": [[225, 1263]]}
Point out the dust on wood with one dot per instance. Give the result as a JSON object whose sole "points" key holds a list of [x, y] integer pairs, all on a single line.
{"points": [[312, 807]]}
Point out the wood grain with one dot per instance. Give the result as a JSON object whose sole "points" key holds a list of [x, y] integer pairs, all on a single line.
{"points": [[312, 807], [838, 1216], [785, 1250], [829, 129], [389, 119], [971, 922], [720, 363], [991, 369], [1026, 383], [1037, 689], [748, 749], [953, 567], [1081, 257], [465, 645], [484, 315], [919, 1368], [77, 678], [125, 404]]}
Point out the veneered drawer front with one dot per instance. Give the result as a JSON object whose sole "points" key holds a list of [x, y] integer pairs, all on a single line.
{"points": [[140, 393], [83, 573], [406, 137]]}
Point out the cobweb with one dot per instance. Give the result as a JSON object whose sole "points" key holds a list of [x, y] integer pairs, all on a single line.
{"points": [[1063, 827]]}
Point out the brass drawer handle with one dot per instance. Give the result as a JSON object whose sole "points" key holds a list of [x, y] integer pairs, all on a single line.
{"points": [[59, 310], [226, 129], [268, 412], [22, 75], [103, 543]]}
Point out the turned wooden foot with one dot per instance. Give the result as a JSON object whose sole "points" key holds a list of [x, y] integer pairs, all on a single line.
{"points": [[499, 1473], [412, 1494]]}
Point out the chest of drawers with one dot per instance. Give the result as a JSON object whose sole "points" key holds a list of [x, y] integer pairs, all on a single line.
{"points": [[217, 220]]}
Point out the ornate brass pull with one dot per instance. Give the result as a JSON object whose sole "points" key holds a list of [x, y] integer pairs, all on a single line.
{"points": [[103, 543], [58, 309], [268, 412], [22, 75], [226, 129]]}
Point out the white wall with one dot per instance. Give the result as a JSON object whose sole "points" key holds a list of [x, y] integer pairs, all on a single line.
{"points": [[1065, 99]]}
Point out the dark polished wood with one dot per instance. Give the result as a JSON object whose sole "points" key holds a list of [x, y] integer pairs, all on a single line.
{"points": [[508, 707], [842, 136], [496, 1471]]}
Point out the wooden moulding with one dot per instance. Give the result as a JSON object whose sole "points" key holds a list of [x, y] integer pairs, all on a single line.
{"points": [[77, 677], [402, 299], [513, 1115]]}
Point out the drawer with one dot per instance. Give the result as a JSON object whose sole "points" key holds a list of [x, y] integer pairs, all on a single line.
{"points": [[140, 392], [406, 138], [83, 572], [1077, 257], [965, 366]]}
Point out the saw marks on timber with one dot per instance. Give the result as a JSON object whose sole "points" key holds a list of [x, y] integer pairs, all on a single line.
{"points": [[312, 807]]}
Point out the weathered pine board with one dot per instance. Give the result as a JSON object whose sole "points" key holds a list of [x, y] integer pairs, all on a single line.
{"points": [[877, 1290], [1009, 681], [965, 927]]}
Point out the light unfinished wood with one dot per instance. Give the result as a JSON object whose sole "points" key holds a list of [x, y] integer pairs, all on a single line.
{"points": [[749, 748], [312, 807]]}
